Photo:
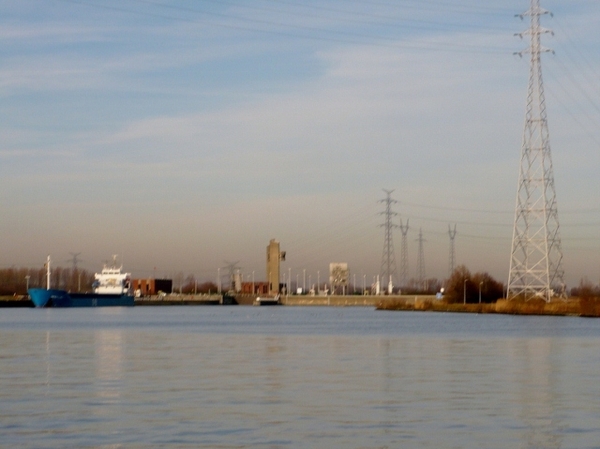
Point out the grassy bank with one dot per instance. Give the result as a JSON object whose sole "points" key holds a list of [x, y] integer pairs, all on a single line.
{"points": [[586, 307]]}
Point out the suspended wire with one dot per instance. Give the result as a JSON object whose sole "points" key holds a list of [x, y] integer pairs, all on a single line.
{"points": [[473, 223], [569, 112], [339, 36], [358, 226], [489, 211], [457, 209], [408, 23], [591, 100], [434, 6], [593, 82], [577, 85], [335, 239]]}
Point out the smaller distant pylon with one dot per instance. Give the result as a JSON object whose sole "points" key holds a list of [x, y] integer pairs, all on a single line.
{"points": [[388, 259], [421, 260], [404, 254], [452, 256]]}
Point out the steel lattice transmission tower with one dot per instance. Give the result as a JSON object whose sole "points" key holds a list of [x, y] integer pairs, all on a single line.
{"points": [[404, 254], [75, 260], [421, 260], [232, 268], [452, 256], [388, 259], [536, 257]]}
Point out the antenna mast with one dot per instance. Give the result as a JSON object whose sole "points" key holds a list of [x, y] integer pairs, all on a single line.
{"points": [[536, 257], [48, 273], [388, 259]]}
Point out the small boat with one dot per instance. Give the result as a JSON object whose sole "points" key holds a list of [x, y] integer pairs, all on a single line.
{"points": [[111, 288], [267, 301]]}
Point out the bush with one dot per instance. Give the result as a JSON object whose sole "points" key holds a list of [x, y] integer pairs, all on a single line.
{"points": [[463, 284]]}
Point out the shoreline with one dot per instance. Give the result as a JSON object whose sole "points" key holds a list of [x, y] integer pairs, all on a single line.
{"points": [[581, 307]]}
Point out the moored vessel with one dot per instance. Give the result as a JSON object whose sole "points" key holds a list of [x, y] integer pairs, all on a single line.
{"points": [[111, 287], [267, 301]]}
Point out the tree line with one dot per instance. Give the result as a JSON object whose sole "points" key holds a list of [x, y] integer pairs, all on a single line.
{"points": [[14, 281], [460, 287]]}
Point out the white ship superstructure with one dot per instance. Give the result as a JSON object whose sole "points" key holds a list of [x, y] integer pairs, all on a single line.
{"points": [[112, 280]]}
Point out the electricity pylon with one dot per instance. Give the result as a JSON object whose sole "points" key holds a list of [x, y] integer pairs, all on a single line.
{"points": [[74, 260], [404, 254], [536, 257], [452, 256], [231, 267], [388, 259], [421, 260]]}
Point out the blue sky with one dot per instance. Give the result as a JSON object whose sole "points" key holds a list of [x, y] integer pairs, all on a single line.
{"points": [[180, 134]]}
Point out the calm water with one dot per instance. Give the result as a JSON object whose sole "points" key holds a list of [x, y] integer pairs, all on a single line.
{"points": [[284, 377]]}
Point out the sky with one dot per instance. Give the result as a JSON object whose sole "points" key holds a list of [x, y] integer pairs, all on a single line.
{"points": [[183, 135]]}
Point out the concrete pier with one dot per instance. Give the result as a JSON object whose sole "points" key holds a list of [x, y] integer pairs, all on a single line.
{"points": [[180, 300]]}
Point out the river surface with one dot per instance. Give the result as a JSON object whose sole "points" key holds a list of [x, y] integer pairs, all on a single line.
{"points": [[296, 377]]}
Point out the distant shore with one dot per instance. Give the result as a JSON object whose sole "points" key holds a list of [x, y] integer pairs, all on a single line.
{"points": [[15, 301], [584, 307]]}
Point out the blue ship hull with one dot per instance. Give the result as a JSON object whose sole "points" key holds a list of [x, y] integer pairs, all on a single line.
{"points": [[42, 297], [60, 298]]}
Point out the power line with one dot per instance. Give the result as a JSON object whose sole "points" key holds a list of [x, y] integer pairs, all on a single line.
{"points": [[331, 35], [410, 23]]}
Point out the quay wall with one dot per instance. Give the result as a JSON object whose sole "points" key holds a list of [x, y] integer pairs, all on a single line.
{"points": [[350, 300], [179, 300]]}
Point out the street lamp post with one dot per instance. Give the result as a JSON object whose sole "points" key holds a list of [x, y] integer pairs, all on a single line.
{"points": [[219, 280], [465, 292], [480, 284], [27, 283]]}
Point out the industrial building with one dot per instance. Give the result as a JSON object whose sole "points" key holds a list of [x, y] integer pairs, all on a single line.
{"points": [[151, 287]]}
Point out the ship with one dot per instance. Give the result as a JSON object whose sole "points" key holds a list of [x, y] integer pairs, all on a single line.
{"points": [[111, 288]]}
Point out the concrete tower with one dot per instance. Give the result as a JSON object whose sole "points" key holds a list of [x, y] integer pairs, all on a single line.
{"points": [[274, 257]]}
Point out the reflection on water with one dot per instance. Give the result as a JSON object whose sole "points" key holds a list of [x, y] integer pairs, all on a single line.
{"points": [[537, 392], [108, 349], [235, 377]]}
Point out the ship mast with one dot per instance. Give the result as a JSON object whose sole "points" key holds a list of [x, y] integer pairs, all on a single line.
{"points": [[48, 273]]}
